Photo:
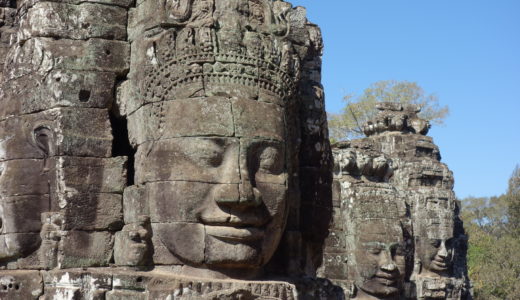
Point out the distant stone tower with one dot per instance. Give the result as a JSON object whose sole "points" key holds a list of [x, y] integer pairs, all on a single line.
{"points": [[430, 249]]}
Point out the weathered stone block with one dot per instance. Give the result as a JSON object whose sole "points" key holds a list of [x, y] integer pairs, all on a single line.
{"points": [[7, 18], [72, 284], [317, 154], [206, 117], [23, 177], [62, 88], [88, 132], [86, 249], [127, 98], [219, 252], [186, 288], [227, 85], [135, 281], [145, 15], [271, 97], [30, 261], [41, 55], [78, 22], [93, 212], [408, 146], [194, 248], [135, 204], [59, 88], [57, 132], [13, 245], [179, 201], [22, 214], [250, 120], [76, 175], [161, 254], [122, 3], [336, 241], [336, 193], [125, 295], [25, 285], [335, 265]]}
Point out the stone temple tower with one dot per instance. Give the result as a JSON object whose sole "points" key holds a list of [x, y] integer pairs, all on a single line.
{"points": [[396, 233], [178, 149]]}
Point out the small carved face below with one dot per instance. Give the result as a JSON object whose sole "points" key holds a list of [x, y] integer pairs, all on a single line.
{"points": [[435, 255], [380, 262]]}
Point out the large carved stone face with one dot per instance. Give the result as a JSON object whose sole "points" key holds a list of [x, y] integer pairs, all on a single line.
{"points": [[380, 257], [216, 200], [211, 131], [435, 254]]}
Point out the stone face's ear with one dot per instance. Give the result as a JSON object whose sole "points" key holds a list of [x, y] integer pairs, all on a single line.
{"points": [[43, 138]]}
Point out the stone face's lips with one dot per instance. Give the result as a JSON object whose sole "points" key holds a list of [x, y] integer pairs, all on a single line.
{"points": [[439, 264], [235, 233], [245, 220], [388, 279], [387, 282]]}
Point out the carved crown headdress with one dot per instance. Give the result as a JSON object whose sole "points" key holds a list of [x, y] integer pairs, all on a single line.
{"points": [[237, 42]]}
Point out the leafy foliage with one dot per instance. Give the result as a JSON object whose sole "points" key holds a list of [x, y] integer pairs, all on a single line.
{"points": [[513, 202], [360, 109], [494, 242]]}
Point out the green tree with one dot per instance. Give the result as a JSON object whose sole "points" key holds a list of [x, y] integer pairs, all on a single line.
{"points": [[513, 202], [360, 109], [494, 242]]}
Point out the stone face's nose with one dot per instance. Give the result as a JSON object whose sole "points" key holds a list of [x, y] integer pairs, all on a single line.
{"points": [[443, 251], [249, 195], [386, 261], [389, 267], [244, 193]]}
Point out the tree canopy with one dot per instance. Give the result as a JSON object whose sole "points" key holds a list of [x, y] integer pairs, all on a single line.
{"points": [[360, 109], [494, 242]]}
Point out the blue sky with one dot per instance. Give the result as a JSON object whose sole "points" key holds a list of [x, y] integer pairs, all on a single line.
{"points": [[465, 51]]}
